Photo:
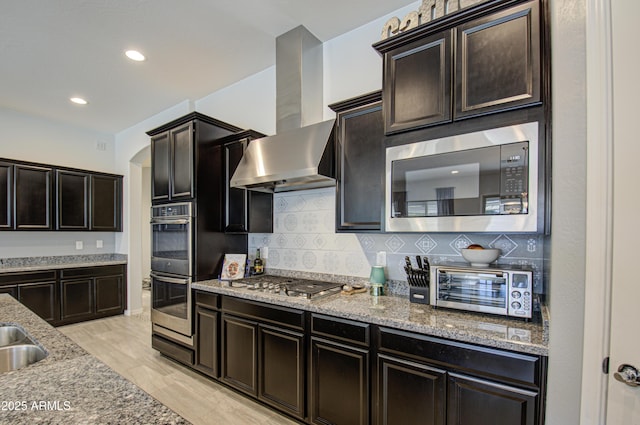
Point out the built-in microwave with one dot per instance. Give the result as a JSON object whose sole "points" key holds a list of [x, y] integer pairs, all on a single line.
{"points": [[473, 182]]}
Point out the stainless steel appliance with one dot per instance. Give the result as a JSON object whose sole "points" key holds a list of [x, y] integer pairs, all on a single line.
{"points": [[171, 270], [290, 287], [481, 181], [172, 233], [506, 291]]}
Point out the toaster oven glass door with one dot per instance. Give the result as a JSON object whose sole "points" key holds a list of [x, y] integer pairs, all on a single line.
{"points": [[483, 292]]}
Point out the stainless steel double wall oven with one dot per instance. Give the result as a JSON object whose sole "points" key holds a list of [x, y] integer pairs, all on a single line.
{"points": [[172, 230]]}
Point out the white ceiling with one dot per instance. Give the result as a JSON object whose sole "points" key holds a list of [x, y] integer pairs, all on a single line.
{"points": [[51, 50]]}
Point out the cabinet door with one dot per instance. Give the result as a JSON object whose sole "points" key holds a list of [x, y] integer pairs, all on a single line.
{"points": [[10, 289], [33, 197], [417, 84], [160, 159], [41, 299], [239, 354], [410, 393], [473, 401], [72, 193], [281, 369], [207, 341], [106, 203], [498, 61], [339, 384], [77, 299], [236, 205], [109, 295], [360, 151], [6, 196], [182, 160]]}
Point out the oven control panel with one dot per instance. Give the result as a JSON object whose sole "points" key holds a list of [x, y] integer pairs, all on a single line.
{"points": [[520, 295]]}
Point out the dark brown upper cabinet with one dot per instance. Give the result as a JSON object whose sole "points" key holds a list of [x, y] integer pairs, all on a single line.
{"points": [[479, 60], [6, 195], [417, 83], [498, 59], [88, 201], [33, 200], [180, 166], [72, 190], [246, 211], [359, 163], [106, 203], [47, 197]]}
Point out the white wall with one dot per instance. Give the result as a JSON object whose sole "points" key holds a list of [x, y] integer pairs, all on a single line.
{"points": [[568, 216], [34, 139]]}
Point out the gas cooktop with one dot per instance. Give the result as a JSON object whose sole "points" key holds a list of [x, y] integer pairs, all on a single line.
{"points": [[291, 287]]}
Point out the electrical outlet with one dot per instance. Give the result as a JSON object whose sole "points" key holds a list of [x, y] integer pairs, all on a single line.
{"points": [[99, 243], [79, 245], [381, 258], [264, 252]]}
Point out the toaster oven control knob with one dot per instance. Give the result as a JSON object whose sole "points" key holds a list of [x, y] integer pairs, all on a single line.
{"points": [[516, 294], [516, 305]]}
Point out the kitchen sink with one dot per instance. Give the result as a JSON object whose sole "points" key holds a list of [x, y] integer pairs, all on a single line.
{"points": [[14, 357], [10, 335]]}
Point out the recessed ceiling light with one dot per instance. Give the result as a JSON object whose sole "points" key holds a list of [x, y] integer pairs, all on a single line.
{"points": [[135, 55], [78, 100], [455, 172]]}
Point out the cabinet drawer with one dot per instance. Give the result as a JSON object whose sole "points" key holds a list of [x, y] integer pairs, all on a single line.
{"points": [[489, 362], [27, 277], [340, 329], [207, 300], [92, 271], [265, 313], [170, 349]]}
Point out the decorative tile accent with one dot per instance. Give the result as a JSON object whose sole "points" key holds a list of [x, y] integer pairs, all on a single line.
{"points": [[460, 242], [309, 260], [394, 243], [425, 244], [505, 244], [367, 242], [299, 241], [291, 222]]}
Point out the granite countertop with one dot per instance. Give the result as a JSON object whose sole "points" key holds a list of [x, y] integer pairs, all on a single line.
{"points": [[26, 264], [398, 313], [70, 385]]}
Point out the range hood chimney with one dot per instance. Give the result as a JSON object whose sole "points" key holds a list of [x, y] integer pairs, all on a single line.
{"points": [[300, 155]]}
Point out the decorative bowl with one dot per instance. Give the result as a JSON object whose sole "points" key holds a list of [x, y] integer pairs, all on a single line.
{"points": [[480, 257]]}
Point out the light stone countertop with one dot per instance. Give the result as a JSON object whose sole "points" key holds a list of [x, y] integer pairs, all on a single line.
{"points": [[27, 264], [398, 313], [70, 386]]}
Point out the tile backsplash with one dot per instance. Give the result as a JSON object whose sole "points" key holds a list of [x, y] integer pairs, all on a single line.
{"points": [[304, 239]]}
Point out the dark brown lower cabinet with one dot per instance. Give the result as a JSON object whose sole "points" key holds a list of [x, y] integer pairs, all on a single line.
{"points": [[77, 299], [239, 354], [339, 383], [410, 393], [281, 369], [207, 325], [474, 401], [324, 370], [92, 292], [41, 299]]}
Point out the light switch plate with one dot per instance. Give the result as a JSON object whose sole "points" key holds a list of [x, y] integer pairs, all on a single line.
{"points": [[79, 245], [99, 243], [381, 258]]}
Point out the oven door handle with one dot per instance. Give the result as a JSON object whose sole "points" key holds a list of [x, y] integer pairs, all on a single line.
{"points": [[170, 279], [170, 221]]}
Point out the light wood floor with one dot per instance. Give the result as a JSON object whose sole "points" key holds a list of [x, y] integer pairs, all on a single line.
{"points": [[124, 343]]}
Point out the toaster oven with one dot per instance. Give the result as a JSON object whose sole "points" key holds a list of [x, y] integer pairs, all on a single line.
{"points": [[505, 291]]}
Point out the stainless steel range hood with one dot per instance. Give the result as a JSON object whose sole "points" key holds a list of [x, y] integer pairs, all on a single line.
{"points": [[299, 156]]}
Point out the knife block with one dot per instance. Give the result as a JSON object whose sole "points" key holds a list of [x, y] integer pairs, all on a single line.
{"points": [[419, 294]]}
